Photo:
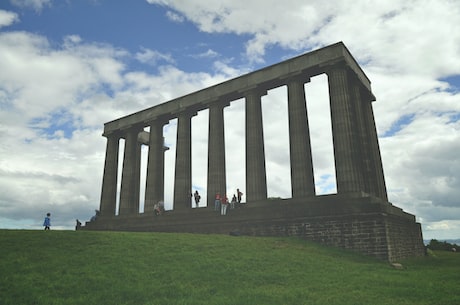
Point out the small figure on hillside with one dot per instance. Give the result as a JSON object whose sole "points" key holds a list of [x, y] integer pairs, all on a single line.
{"points": [[197, 198], [47, 222], [78, 225], [239, 195], [217, 202], [224, 204], [233, 202]]}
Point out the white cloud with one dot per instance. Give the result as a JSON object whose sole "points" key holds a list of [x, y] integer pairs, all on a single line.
{"points": [[441, 229], [37, 76], [208, 54], [226, 68], [7, 18], [151, 57], [174, 17], [37, 5], [395, 34]]}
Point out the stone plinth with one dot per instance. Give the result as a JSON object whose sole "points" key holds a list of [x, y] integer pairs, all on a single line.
{"points": [[360, 223]]}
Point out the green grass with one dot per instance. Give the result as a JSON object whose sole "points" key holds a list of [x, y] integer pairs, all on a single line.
{"points": [[67, 267]]}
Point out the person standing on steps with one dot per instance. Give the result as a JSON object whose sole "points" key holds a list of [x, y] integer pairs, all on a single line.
{"points": [[159, 208], [47, 222], [217, 202], [197, 198], [239, 195], [233, 202], [224, 204]]}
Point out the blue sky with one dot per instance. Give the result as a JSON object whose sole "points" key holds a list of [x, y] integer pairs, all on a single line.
{"points": [[67, 67]]}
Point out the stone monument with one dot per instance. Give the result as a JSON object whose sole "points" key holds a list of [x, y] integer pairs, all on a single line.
{"points": [[359, 217]]}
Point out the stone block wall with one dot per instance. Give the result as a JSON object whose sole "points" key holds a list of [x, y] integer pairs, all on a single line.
{"points": [[404, 238], [385, 237]]}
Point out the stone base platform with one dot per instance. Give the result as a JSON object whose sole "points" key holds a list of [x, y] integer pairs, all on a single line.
{"points": [[357, 222]]}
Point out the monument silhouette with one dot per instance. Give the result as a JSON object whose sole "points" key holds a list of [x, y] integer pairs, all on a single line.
{"points": [[358, 217]]}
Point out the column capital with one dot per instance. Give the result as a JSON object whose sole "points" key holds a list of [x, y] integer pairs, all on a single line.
{"points": [[161, 120], [113, 134], [256, 90], [296, 77], [131, 129], [352, 74], [219, 103], [366, 94], [187, 113], [336, 65]]}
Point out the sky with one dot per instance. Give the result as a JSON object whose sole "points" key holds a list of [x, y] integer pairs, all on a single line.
{"points": [[68, 67]]}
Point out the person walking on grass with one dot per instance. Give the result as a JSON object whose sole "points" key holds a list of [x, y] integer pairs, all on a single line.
{"points": [[47, 222]]}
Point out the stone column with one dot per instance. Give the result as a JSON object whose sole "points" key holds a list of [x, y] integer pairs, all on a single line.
{"points": [[344, 131], [256, 179], [216, 153], [375, 156], [137, 175], [302, 180], [154, 187], [109, 180], [161, 185], [364, 157], [183, 170], [130, 179]]}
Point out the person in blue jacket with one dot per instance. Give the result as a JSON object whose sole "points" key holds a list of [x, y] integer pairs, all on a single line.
{"points": [[47, 222]]}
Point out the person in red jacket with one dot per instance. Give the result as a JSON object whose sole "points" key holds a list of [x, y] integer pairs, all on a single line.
{"points": [[224, 204], [217, 202]]}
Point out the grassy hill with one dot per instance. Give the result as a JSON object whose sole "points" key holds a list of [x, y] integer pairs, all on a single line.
{"points": [[68, 267]]}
